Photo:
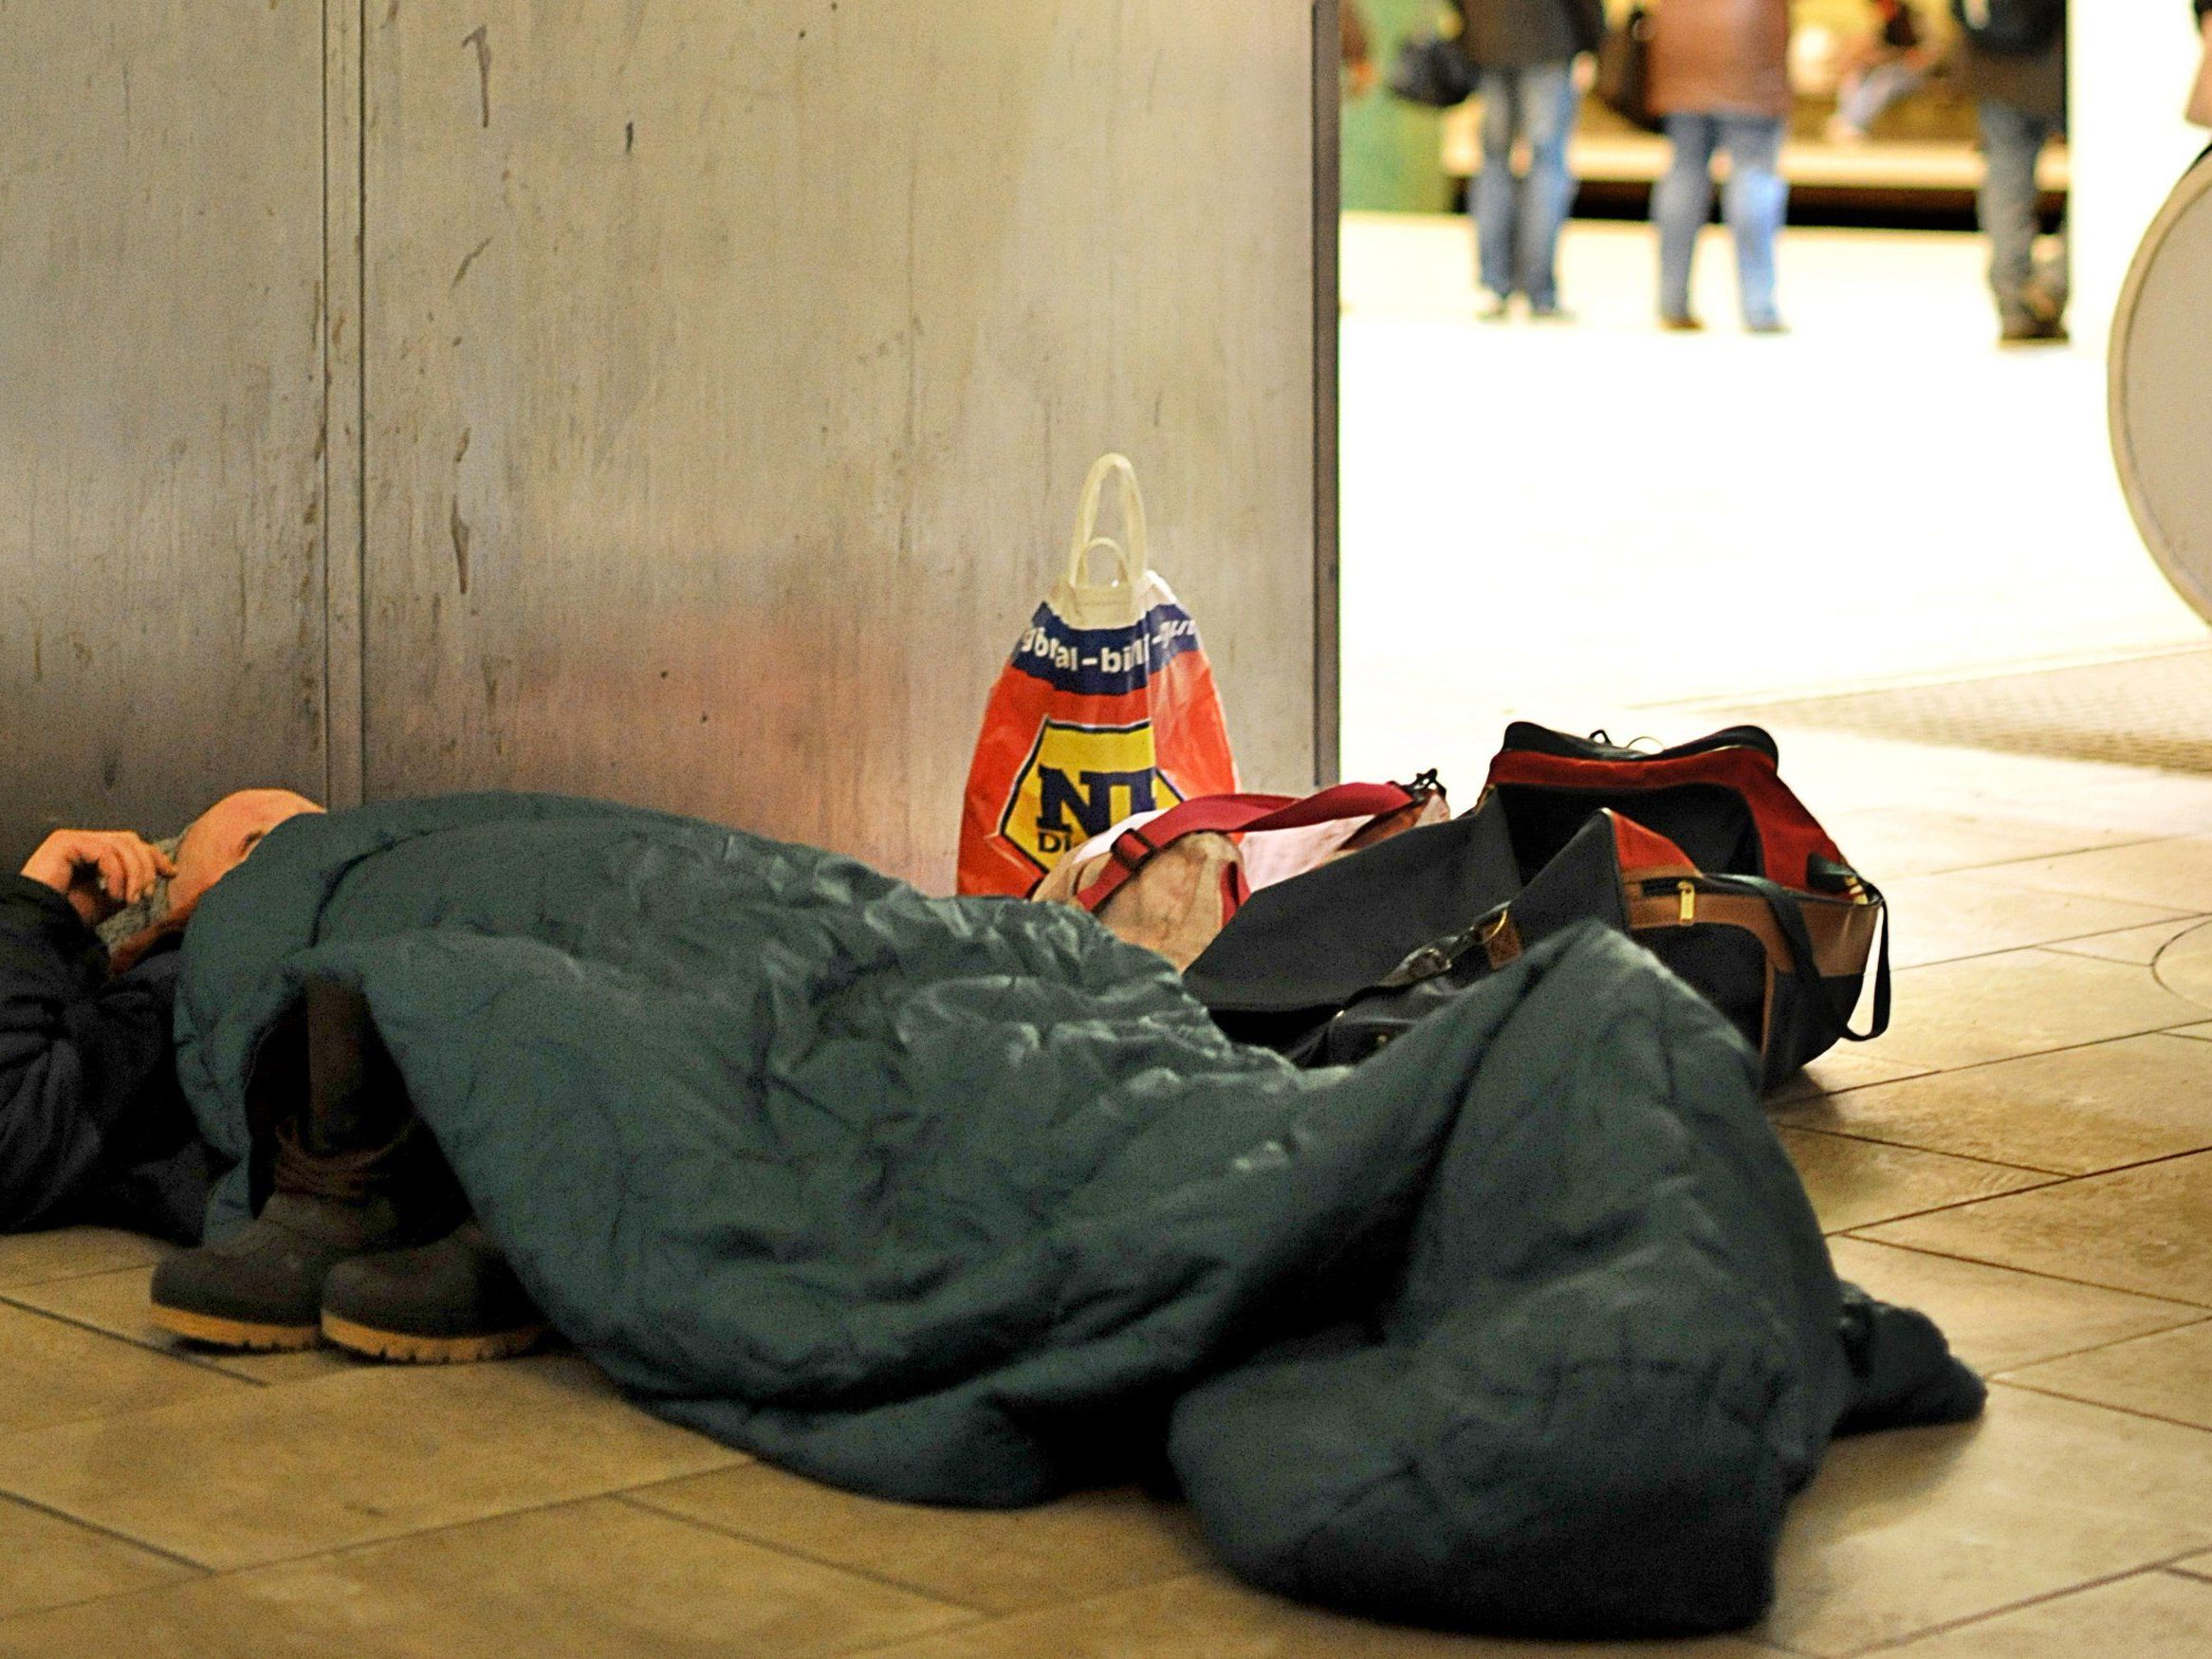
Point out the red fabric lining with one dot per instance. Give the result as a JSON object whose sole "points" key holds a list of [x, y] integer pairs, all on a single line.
{"points": [[1789, 836]]}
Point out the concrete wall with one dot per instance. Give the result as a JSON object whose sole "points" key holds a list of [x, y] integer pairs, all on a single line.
{"points": [[675, 401]]}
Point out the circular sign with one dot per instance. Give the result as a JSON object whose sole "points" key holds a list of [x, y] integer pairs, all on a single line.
{"points": [[2160, 391]]}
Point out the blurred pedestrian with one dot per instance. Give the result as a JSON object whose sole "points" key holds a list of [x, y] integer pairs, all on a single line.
{"points": [[1524, 54], [2013, 59], [1720, 80], [1889, 62]]}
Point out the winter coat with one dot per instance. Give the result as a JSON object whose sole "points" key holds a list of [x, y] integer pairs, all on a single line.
{"points": [[1721, 57], [1520, 34], [93, 1127]]}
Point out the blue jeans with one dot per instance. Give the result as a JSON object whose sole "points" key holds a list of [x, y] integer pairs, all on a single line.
{"points": [[1516, 221], [1755, 200], [2012, 139]]}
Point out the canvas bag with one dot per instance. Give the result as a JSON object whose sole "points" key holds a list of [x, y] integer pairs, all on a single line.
{"points": [[1106, 708]]}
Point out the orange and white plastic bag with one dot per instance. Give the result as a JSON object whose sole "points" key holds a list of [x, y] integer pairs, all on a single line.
{"points": [[1106, 708]]}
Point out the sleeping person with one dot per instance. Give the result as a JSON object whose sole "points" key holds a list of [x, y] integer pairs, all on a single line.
{"points": [[93, 1127]]}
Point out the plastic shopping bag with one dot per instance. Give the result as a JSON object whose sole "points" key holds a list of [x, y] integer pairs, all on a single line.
{"points": [[1107, 707]]}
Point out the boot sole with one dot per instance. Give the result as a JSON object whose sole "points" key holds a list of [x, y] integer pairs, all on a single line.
{"points": [[409, 1349], [239, 1333]]}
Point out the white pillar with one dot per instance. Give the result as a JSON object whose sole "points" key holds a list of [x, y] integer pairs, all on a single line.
{"points": [[2133, 64]]}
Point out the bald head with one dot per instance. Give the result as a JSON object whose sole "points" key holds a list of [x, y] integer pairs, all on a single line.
{"points": [[221, 836]]}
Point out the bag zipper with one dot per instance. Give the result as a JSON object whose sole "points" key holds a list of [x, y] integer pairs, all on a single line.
{"points": [[1687, 892]]}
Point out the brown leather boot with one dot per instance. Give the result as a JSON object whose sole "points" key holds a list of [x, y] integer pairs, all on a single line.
{"points": [[355, 1173], [437, 1304]]}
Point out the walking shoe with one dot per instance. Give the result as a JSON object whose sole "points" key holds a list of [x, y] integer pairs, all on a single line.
{"points": [[2042, 302], [441, 1303], [1684, 323], [354, 1173], [2034, 331], [262, 1289], [1766, 325], [1495, 308], [1555, 312]]}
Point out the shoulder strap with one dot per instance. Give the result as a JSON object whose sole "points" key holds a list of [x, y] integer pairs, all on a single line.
{"points": [[1235, 815], [1791, 921]]}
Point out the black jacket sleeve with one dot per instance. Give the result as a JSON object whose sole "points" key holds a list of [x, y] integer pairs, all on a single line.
{"points": [[87, 1072]]}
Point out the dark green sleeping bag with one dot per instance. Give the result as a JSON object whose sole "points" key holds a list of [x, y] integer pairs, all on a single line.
{"points": [[1524, 1326]]}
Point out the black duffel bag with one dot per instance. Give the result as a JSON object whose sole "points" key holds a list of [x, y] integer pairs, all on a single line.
{"points": [[1700, 854]]}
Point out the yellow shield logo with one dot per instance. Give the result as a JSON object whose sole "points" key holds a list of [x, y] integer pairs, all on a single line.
{"points": [[1079, 782]]}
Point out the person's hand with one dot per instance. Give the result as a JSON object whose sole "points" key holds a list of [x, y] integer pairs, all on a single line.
{"points": [[1585, 72], [1363, 76], [98, 870]]}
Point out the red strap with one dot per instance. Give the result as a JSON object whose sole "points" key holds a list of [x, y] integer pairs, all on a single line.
{"points": [[1235, 815]]}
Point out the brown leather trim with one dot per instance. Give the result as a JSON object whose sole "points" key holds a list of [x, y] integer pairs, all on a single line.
{"points": [[1842, 934], [1501, 943]]}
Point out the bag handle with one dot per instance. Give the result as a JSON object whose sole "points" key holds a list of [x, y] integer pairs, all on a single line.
{"points": [[1135, 555], [1236, 814], [1783, 903]]}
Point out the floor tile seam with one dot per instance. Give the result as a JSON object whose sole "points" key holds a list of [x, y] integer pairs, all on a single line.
{"points": [[196, 1361], [1938, 1069], [1062, 1607], [1975, 1065], [199, 1569], [2093, 1175], [2060, 1175], [2054, 1393], [2007, 1372], [2051, 947], [2143, 1569], [2084, 852], [211, 1572], [23, 1616], [2063, 852], [65, 1278], [2199, 1575], [1906, 1146], [1771, 1104], [633, 1498], [1862, 1235]]}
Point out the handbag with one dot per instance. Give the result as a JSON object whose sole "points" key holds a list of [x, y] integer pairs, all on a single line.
{"points": [[1624, 71], [1700, 853], [1431, 71]]}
